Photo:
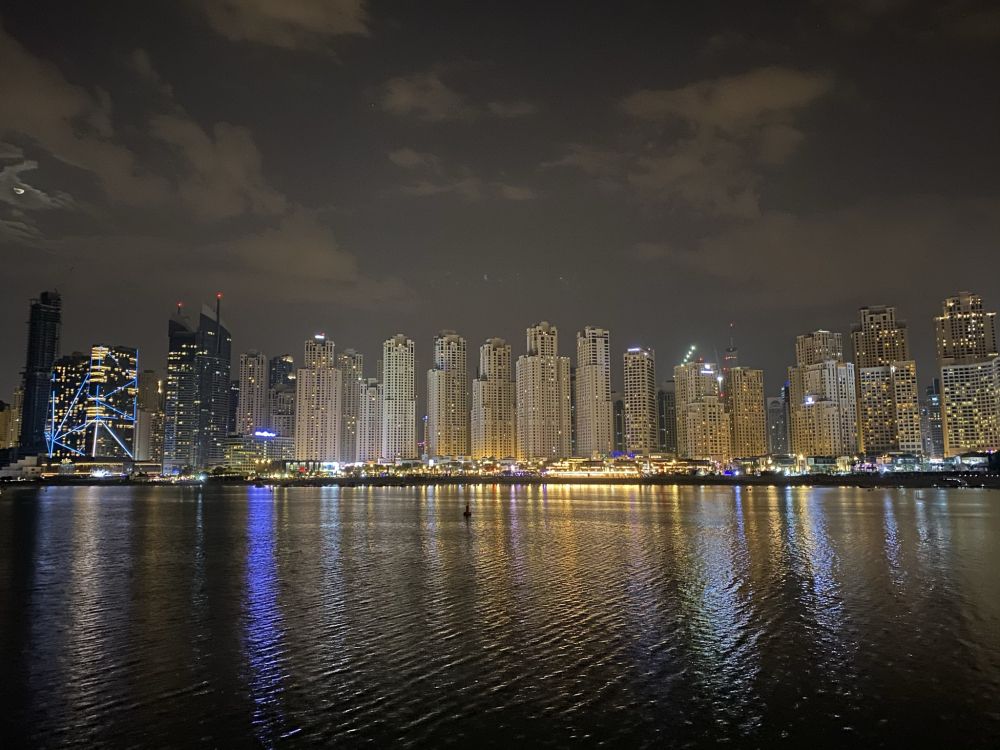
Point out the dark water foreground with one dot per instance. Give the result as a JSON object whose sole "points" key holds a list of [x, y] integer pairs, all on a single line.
{"points": [[777, 617]]}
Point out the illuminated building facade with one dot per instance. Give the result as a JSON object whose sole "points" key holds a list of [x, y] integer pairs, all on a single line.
{"points": [[369, 440], [592, 411], [213, 363], [318, 397], [399, 405], [543, 397], [351, 365], [666, 409], [257, 452], [640, 401], [448, 398], [44, 324], [822, 398], [965, 331], [744, 402], [252, 411], [970, 407], [967, 355], [92, 404], [181, 405], [493, 433], [888, 400], [706, 430], [695, 382]]}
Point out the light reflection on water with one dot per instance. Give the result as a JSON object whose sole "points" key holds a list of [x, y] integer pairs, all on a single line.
{"points": [[627, 615]]}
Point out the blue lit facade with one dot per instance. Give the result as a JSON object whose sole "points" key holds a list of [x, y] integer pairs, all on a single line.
{"points": [[92, 404]]}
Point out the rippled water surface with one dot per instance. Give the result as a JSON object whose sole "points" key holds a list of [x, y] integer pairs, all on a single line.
{"points": [[625, 616]]}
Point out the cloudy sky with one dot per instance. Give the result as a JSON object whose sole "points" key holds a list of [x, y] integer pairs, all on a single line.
{"points": [[363, 168]]}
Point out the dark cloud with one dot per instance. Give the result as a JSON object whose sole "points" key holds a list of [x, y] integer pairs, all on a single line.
{"points": [[425, 96], [459, 181], [712, 139], [291, 24]]}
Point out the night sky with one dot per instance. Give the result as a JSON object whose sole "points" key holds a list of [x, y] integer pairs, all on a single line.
{"points": [[362, 168]]}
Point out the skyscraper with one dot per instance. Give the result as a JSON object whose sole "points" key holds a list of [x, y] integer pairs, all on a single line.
{"points": [[44, 323], [92, 410], [351, 366], [282, 409], [369, 438], [822, 398], [543, 399], [640, 401], [970, 392], [930, 421], [965, 332], [888, 399], [493, 403], [448, 398], [618, 418], [970, 407], [703, 427], [149, 423], [318, 397], [281, 370], [744, 402], [6, 412], [777, 423], [399, 405], [213, 363], [592, 412], [666, 407], [252, 414], [181, 396]]}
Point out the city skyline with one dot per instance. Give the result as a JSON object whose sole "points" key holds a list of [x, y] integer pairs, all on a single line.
{"points": [[775, 170]]}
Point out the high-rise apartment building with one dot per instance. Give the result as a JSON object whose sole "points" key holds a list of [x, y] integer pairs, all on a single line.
{"points": [[666, 409], [448, 398], [970, 394], [888, 399], [970, 407], [181, 396], [281, 410], [16, 409], [369, 424], [6, 412], [618, 417], [703, 429], [351, 364], [253, 410], [707, 430], [149, 422], [744, 402], [44, 324], [640, 401], [92, 404], [965, 332], [777, 423], [281, 370], [493, 433], [592, 412], [318, 394], [543, 397], [822, 398], [399, 406], [931, 428]]}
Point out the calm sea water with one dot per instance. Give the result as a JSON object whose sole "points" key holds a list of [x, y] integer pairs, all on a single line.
{"points": [[617, 615]]}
